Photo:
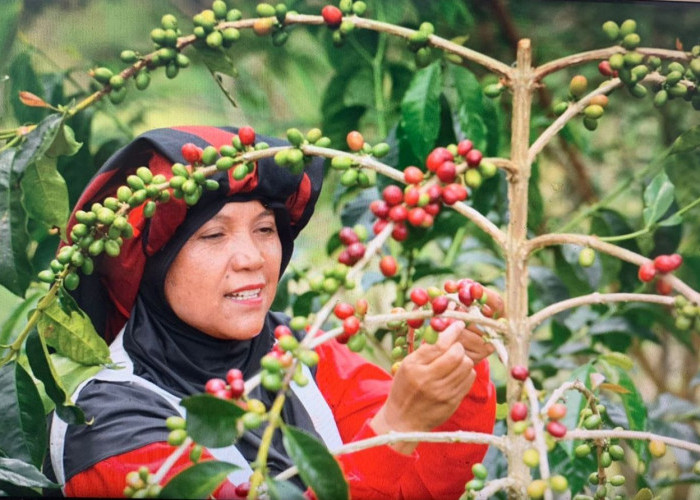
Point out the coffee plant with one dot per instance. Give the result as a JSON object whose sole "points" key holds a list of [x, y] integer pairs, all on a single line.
{"points": [[444, 205]]}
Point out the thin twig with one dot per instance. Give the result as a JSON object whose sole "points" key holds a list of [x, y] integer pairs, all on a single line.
{"points": [[623, 434]]}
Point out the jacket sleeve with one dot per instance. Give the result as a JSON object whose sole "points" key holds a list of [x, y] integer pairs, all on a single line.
{"points": [[355, 390], [107, 479]]}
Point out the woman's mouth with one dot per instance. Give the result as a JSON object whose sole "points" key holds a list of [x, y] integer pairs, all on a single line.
{"points": [[243, 295]]}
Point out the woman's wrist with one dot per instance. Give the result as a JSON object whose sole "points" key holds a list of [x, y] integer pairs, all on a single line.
{"points": [[381, 425]]}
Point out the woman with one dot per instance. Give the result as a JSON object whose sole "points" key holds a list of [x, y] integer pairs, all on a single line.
{"points": [[188, 298]]}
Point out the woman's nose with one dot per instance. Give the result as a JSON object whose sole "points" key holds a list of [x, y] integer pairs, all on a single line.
{"points": [[246, 255]]}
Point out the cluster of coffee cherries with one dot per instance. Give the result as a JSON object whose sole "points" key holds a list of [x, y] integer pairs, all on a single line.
{"points": [[631, 67], [331, 280], [418, 43], [422, 199], [657, 268], [687, 314], [352, 238], [294, 158], [407, 334], [281, 357], [342, 27], [578, 86], [141, 484], [352, 173], [103, 228], [351, 316]]}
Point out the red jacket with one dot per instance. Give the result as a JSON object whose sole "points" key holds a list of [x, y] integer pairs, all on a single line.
{"points": [[355, 390]]}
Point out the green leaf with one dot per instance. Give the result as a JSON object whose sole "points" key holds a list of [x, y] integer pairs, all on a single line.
{"points": [[471, 106], [72, 373], [317, 467], [687, 141], [18, 314], [217, 60], [21, 473], [15, 268], [24, 78], [658, 197], [45, 194], [636, 411], [37, 142], [9, 21], [283, 490], [674, 220], [22, 418], [212, 421], [575, 401], [198, 481], [420, 109], [43, 369], [72, 335], [64, 144]]}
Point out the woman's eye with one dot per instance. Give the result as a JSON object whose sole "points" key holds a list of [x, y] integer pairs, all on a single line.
{"points": [[268, 230], [211, 236]]}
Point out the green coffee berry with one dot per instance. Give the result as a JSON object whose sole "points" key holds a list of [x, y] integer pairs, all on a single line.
{"points": [[493, 90], [175, 422], [177, 437], [234, 15], [605, 460], [631, 41], [611, 30], [357, 342], [230, 35], [359, 7], [616, 451], [660, 98], [47, 276], [593, 111], [209, 155], [627, 27], [211, 185], [295, 137], [558, 483], [265, 10], [638, 90], [678, 90], [142, 80], [592, 422], [617, 61], [117, 96], [341, 162], [128, 56], [380, 150], [71, 281], [88, 266], [590, 123], [102, 74], [479, 471], [475, 485], [349, 178]]}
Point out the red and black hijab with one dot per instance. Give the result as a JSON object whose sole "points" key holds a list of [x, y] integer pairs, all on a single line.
{"points": [[109, 294]]}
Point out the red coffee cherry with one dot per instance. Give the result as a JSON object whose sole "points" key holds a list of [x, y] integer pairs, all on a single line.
{"points": [[379, 226], [191, 153], [557, 411], [234, 374], [348, 236], [413, 175], [355, 140], [398, 213], [356, 251], [214, 385], [473, 157], [419, 296], [379, 208], [556, 428], [432, 209], [438, 323], [447, 172], [434, 193], [663, 287], [237, 388], [411, 196], [529, 434], [351, 325], [667, 263], [464, 147], [344, 258], [439, 304], [388, 266], [416, 216], [450, 286], [476, 290], [393, 195], [518, 411], [437, 157], [282, 330], [242, 490], [400, 232], [647, 271], [465, 296], [519, 372], [343, 310], [246, 135], [605, 69], [332, 16]]}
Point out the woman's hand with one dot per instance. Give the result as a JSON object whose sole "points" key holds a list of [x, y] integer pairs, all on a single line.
{"points": [[472, 338], [430, 384]]}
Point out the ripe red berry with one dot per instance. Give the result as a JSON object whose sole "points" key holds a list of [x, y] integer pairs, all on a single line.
{"points": [[437, 157], [419, 296], [449, 195], [214, 385], [415, 323], [487, 311], [343, 310], [663, 287], [355, 140], [393, 195], [416, 216], [237, 388], [345, 258], [398, 213], [464, 147], [427, 220], [667, 263], [519, 372], [473, 157], [439, 304], [400, 232], [434, 192], [676, 260], [518, 411], [348, 236], [432, 209], [379, 208], [412, 196], [556, 428], [529, 434], [413, 175], [379, 226], [647, 271], [191, 153], [464, 296], [242, 490], [438, 323], [476, 290], [557, 411], [605, 69], [234, 374], [451, 286], [388, 266], [282, 330], [351, 325], [332, 16], [246, 135], [447, 172], [356, 251]]}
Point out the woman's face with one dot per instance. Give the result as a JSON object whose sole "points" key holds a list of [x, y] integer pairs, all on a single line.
{"points": [[224, 279]]}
